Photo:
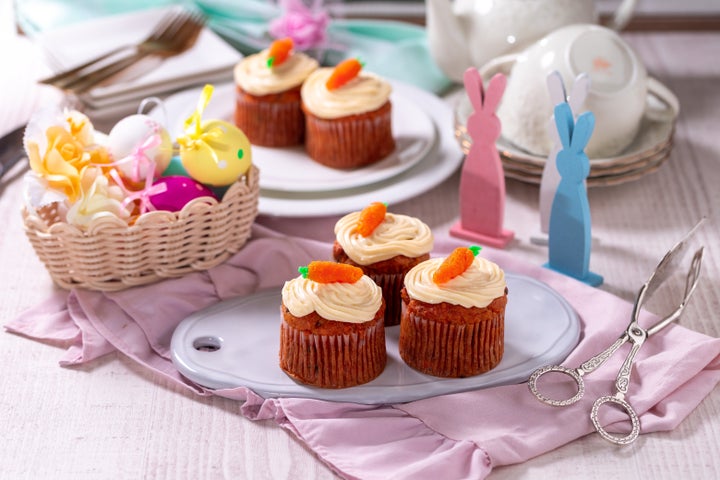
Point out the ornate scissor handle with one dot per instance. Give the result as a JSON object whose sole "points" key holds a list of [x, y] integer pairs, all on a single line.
{"points": [[576, 375], [634, 420]]}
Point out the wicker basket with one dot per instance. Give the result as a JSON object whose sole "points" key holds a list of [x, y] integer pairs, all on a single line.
{"points": [[110, 255]]}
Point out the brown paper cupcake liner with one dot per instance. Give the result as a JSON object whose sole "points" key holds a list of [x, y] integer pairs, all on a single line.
{"points": [[350, 142], [451, 350], [271, 121], [391, 285], [333, 361]]}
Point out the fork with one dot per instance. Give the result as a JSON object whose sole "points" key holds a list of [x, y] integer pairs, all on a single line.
{"points": [[174, 34]]}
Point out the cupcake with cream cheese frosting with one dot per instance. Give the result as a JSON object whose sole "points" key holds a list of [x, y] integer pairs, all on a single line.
{"points": [[332, 333], [454, 321], [268, 83], [385, 246], [348, 116]]}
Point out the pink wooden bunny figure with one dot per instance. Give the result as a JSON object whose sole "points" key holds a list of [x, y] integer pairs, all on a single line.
{"points": [[482, 182]]}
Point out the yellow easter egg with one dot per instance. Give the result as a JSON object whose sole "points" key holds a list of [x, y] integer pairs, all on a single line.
{"points": [[217, 155]]}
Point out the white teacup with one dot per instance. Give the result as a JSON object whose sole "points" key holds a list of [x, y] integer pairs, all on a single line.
{"points": [[619, 87]]}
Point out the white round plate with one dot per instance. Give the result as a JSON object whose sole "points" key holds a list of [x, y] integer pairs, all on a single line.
{"points": [[235, 343], [439, 163], [441, 160], [291, 170]]}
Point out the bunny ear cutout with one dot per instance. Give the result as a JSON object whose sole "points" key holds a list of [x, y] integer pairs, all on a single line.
{"points": [[556, 87], [564, 123], [579, 92], [494, 92], [474, 87], [583, 131]]}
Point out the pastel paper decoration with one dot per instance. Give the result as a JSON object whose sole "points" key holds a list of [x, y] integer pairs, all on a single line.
{"points": [[482, 181], [306, 25], [550, 176], [570, 238]]}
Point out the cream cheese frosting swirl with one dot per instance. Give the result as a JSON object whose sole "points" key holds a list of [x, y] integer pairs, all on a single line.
{"points": [[365, 93], [254, 76], [396, 235], [478, 286], [343, 302]]}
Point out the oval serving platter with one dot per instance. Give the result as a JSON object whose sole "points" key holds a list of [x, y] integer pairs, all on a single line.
{"points": [[235, 344]]}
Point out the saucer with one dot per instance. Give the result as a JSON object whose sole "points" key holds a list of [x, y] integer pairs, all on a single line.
{"points": [[650, 148], [602, 178]]}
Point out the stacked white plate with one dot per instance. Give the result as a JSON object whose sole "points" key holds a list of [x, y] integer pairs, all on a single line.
{"points": [[646, 154]]}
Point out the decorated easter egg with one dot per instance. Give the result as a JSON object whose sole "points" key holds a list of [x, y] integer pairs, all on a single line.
{"points": [[139, 145], [216, 155], [177, 193]]}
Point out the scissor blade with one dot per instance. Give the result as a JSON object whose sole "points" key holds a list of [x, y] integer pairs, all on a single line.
{"points": [[670, 261]]}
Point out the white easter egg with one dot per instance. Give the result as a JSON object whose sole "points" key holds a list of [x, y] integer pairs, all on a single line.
{"points": [[125, 143]]}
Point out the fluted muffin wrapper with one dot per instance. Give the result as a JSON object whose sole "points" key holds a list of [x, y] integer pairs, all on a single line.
{"points": [[350, 142], [277, 121], [452, 350], [333, 361], [391, 285]]}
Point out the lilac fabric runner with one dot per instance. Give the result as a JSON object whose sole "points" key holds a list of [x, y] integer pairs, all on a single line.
{"points": [[462, 435]]}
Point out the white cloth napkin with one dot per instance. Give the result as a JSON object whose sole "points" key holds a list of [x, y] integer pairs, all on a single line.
{"points": [[210, 60]]}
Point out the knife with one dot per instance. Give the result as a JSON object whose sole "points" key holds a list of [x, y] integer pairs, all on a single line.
{"points": [[11, 149]]}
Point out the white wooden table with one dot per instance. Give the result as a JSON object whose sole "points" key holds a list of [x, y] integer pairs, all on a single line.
{"points": [[112, 419]]}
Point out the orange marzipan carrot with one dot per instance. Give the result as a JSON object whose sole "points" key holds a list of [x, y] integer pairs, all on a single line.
{"points": [[343, 73], [279, 51], [455, 264], [370, 217], [322, 271]]}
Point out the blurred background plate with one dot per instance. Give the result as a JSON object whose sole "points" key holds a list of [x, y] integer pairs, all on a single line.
{"points": [[440, 162], [289, 169]]}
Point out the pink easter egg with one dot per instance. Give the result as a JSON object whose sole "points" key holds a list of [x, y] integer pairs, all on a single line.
{"points": [[178, 192]]}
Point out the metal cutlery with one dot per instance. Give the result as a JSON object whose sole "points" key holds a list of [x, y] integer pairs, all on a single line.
{"points": [[174, 34]]}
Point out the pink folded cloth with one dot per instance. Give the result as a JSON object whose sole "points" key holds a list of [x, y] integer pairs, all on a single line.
{"points": [[462, 435]]}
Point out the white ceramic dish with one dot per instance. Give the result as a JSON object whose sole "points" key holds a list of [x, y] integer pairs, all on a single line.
{"points": [[235, 343], [443, 158], [291, 170], [652, 135]]}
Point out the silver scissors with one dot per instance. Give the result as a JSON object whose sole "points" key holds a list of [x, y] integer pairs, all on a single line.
{"points": [[634, 334]]}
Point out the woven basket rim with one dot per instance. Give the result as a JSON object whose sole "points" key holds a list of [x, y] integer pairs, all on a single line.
{"points": [[34, 221], [110, 255]]}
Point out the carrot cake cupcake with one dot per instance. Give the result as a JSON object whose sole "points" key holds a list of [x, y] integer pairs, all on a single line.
{"points": [[332, 333], [267, 106], [348, 116], [385, 246], [454, 321]]}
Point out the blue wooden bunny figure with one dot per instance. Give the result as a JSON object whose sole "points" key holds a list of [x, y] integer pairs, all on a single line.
{"points": [[569, 236]]}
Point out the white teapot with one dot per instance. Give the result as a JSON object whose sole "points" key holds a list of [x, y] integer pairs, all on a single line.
{"points": [[469, 33]]}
